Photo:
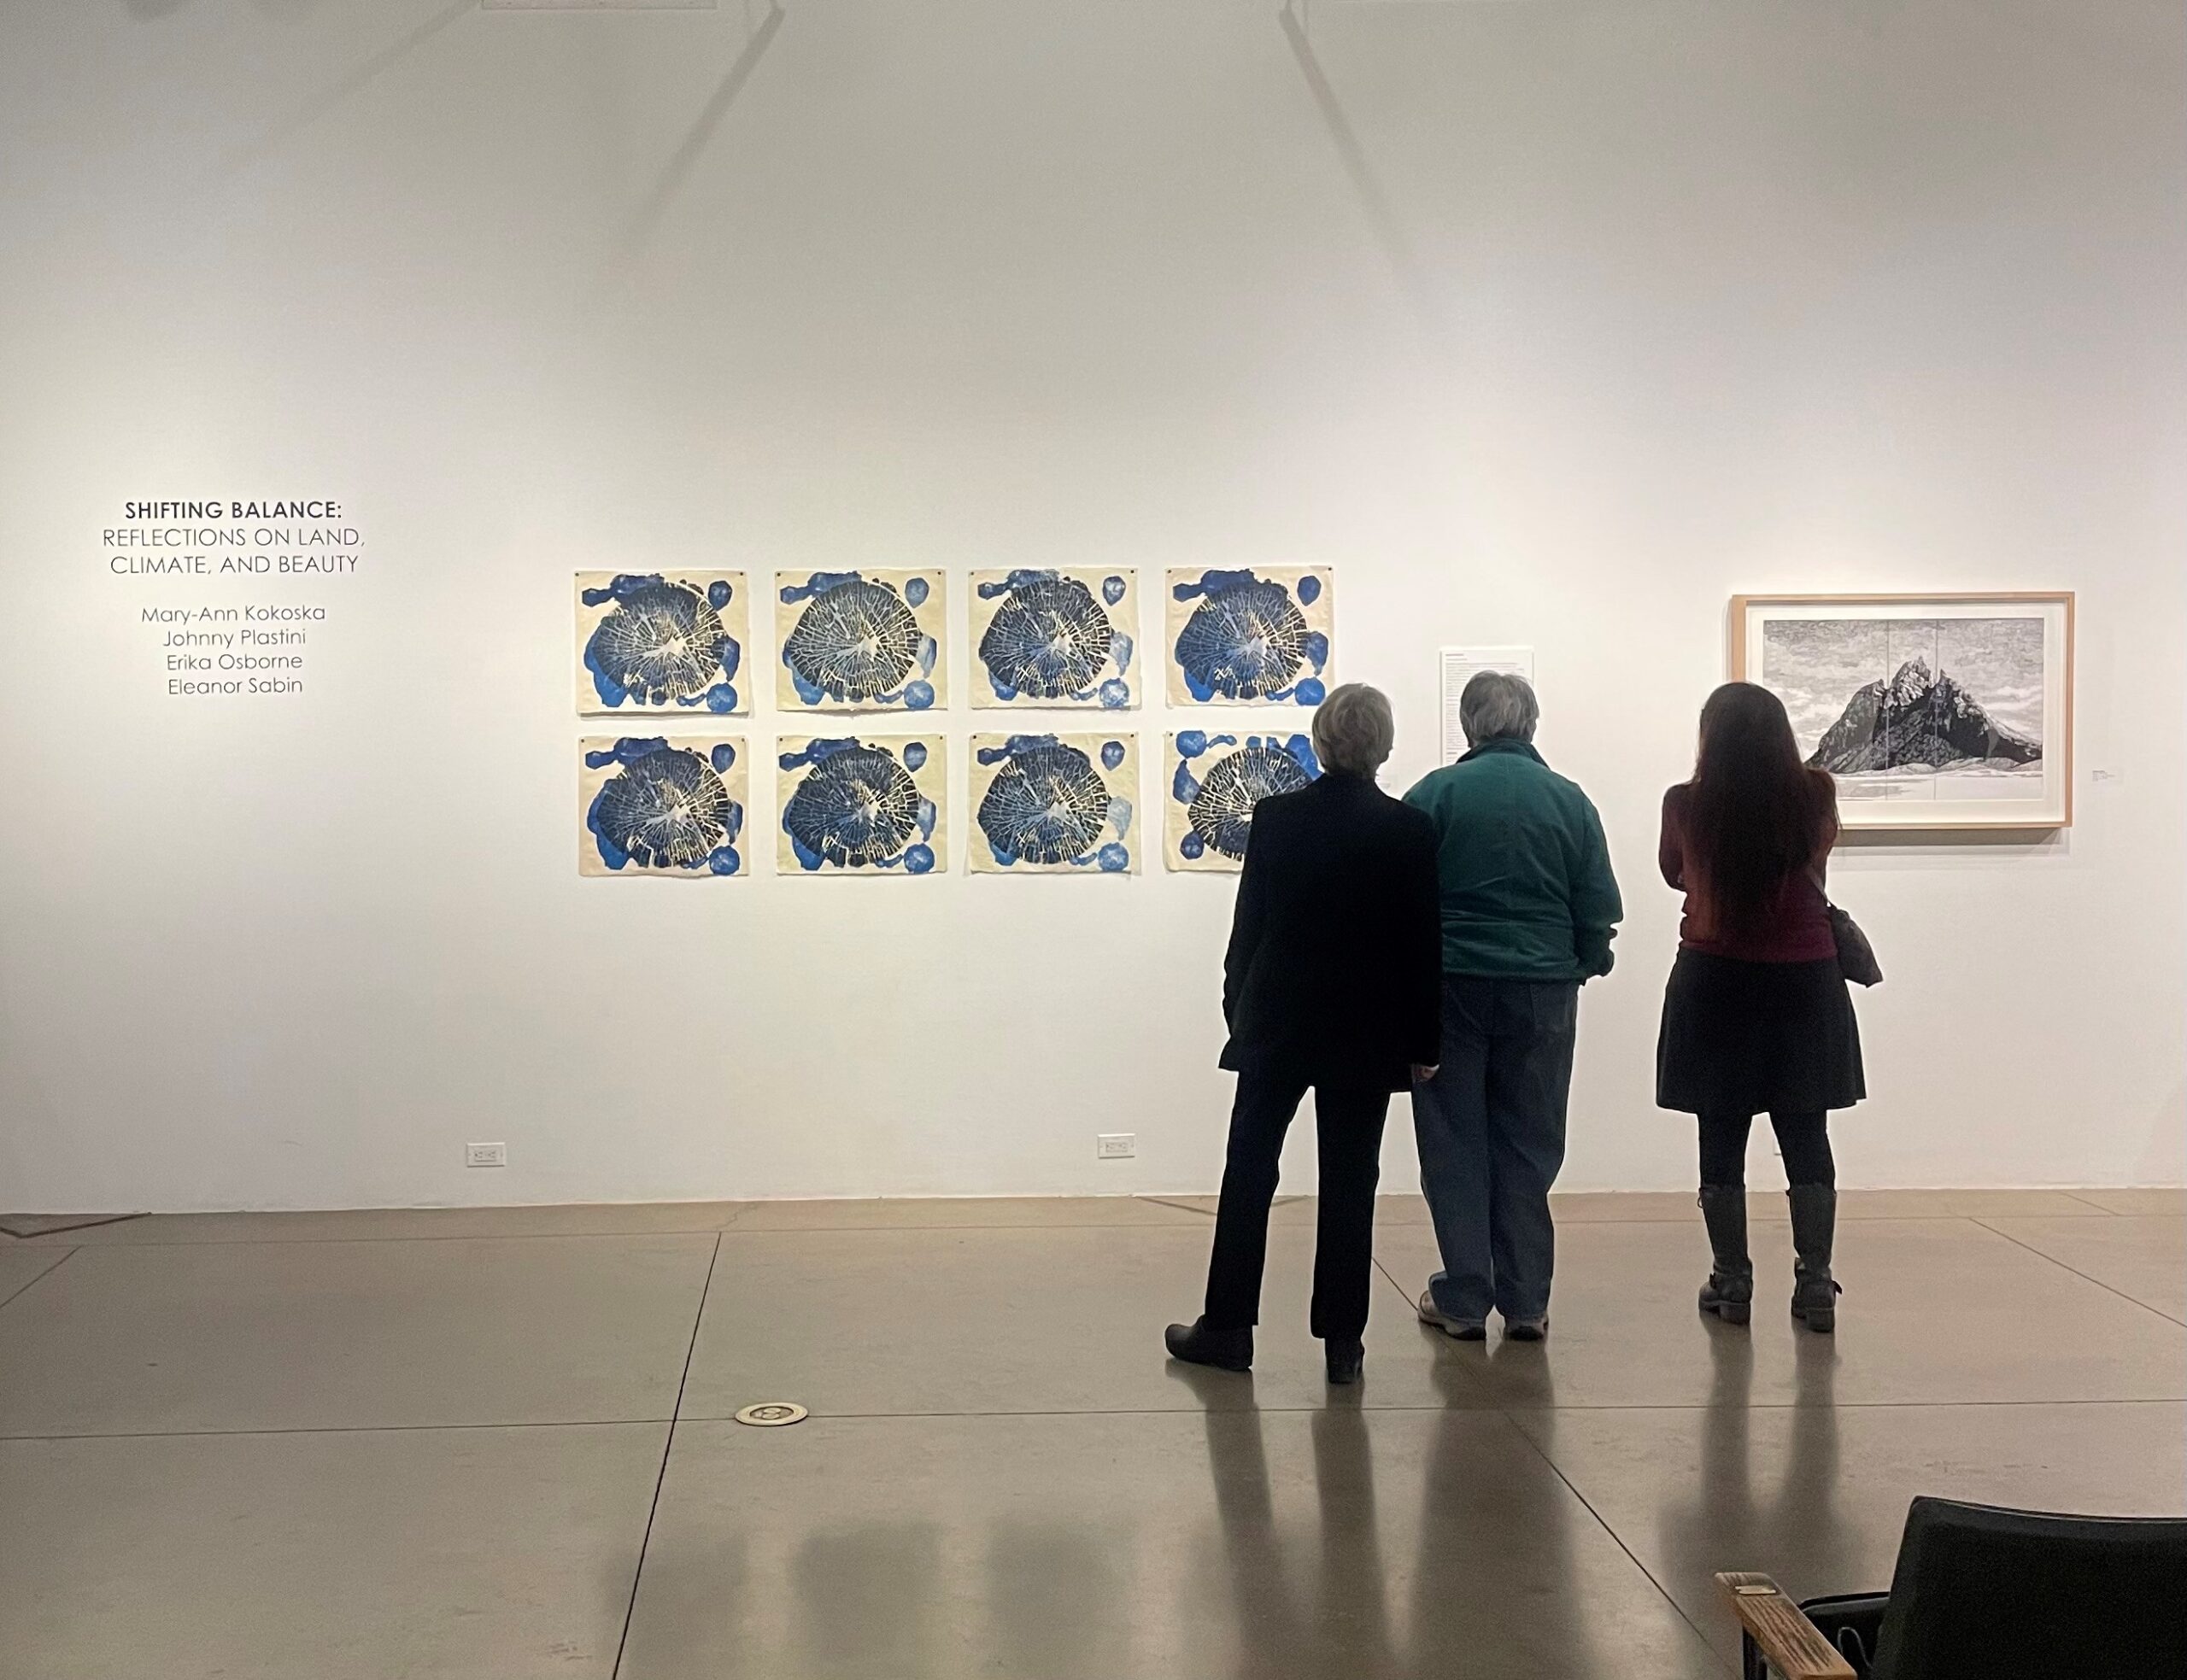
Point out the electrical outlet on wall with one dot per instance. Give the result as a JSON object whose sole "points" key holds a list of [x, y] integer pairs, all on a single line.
{"points": [[1116, 1145], [485, 1155]]}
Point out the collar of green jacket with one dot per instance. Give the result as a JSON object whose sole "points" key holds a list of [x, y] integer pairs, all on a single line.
{"points": [[1525, 749]]}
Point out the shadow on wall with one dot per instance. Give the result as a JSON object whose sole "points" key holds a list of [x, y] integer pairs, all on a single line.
{"points": [[1366, 185], [2029, 843], [639, 230], [148, 11], [251, 150], [2161, 1161]]}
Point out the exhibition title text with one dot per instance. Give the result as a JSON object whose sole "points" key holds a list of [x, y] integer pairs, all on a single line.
{"points": [[320, 509], [154, 542]]}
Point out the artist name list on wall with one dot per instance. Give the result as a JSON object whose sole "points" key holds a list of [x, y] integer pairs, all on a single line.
{"points": [[212, 640]]}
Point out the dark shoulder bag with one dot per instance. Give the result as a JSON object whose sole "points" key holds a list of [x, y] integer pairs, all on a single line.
{"points": [[1856, 957]]}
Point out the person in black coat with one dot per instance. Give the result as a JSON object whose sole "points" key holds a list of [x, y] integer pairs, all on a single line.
{"points": [[1334, 980]]}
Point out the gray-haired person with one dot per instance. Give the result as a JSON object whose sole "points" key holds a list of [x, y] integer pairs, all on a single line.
{"points": [[1529, 906], [1332, 982]]}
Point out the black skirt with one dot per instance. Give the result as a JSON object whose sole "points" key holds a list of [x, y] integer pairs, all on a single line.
{"points": [[1757, 1038]]}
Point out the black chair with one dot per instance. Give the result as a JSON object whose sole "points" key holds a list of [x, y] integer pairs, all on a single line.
{"points": [[1981, 1594]]}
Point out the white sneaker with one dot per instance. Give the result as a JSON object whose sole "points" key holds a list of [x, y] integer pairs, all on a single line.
{"points": [[1458, 1330]]}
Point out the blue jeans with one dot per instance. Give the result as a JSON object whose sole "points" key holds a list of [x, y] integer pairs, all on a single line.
{"points": [[1490, 1130]]}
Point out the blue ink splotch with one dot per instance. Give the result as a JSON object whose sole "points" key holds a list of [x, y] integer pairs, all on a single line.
{"points": [[1184, 786], [1247, 639], [664, 807], [662, 642]]}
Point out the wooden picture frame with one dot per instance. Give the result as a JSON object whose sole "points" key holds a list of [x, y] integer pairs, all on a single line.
{"points": [[1943, 712]]}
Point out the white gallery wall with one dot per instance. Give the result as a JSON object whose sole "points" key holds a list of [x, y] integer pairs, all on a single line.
{"points": [[1550, 323]]}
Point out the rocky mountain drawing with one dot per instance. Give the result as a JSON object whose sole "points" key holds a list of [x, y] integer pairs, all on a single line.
{"points": [[1920, 717], [1900, 697]]}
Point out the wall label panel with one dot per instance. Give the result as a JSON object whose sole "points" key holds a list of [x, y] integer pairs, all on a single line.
{"points": [[214, 645]]}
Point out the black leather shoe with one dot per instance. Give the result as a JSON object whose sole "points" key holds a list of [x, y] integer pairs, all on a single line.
{"points": [[1197, 1345], [1343, 1360]]}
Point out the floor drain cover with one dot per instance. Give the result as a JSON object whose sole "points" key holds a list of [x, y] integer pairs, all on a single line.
{"points": [[771, 1414]]}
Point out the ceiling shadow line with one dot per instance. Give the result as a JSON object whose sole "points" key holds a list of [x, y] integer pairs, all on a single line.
{"points": [[639, 230], [1366, 188], [251, 150]]}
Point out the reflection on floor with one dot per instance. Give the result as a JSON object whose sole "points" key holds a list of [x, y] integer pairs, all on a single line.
{"points": [[497, 1442]]}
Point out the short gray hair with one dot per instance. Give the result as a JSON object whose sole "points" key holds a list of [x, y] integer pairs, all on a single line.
{"points": [[1499, 706], [1353, 729]]}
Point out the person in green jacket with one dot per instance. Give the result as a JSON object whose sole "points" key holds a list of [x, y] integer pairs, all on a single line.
{"points": [[1529, 906]]}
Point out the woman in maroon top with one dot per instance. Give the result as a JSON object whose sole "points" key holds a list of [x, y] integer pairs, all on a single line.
{"points": [[1757, 1018]]}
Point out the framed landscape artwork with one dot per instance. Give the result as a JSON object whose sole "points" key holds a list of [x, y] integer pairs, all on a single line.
{"points": [[1932, 711]]}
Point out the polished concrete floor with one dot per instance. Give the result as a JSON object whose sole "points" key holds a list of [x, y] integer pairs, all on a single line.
{"points": [[500, 1442]]}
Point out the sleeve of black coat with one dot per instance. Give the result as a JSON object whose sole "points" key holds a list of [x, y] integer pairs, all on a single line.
{"points": [[1246, 921], [1420, 951]]}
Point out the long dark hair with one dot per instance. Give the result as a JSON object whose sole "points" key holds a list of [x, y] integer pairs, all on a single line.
{"points": [[1756, 815]]}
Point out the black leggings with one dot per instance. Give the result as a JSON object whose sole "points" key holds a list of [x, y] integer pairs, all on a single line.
{"points": [[1803, 1139]]}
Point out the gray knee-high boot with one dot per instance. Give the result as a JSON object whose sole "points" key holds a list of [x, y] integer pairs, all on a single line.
{"points": [[1729, 1293], [1814, 1223]]}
